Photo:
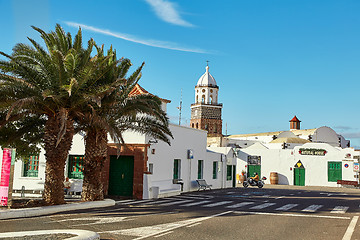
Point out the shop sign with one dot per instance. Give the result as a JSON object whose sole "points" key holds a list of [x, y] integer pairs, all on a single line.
{"points": [[356, 167], [5, 175], [254, 160], [312, 151]]}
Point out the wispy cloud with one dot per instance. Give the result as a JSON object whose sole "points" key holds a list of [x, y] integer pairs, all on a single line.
{"points": [[131, 38], [344, 128], [351, 134], [168, 12]]}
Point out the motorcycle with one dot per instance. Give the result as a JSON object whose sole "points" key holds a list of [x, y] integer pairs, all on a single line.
{"points": [[251, 182]]}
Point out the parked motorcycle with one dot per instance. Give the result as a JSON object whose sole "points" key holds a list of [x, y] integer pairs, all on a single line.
{"points": [[251, 182]]}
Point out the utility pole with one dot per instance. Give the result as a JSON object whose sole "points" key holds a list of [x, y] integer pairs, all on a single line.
{"points": [[180, 108]]}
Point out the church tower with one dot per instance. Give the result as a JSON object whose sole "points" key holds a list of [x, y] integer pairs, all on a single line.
{"points": [[206, 111]]}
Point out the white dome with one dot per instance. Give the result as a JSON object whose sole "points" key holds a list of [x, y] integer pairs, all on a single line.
{"points": [[206, 79]]}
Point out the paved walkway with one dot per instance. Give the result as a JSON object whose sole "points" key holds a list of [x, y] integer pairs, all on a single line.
{"points": [[46, 210]]}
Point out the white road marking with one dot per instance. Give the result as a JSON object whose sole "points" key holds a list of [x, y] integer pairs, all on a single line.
{"points": [[164, 234], [157, 202], [350, 229], [287, 207], [266, 196], [262, 206], [195, 203], [217, 204], [290, 215], [340, 209], [189, 197], [230, 192], [312, 208], [199, 196], [98, 220], [174, 203], [280, 197], [137, 201], [150, 231], [124, 201], [238, 205], [193, 225]]}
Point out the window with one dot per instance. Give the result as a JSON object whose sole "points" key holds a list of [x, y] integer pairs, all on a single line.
{"points": [[193, 125], [229, 172], [206, 127], [215, 128], [177, 164], [200, 169], [215, 170], [211, 99], [197, 125], [31, 167], [76, 166], [197, 98], [203, 99], [151, 168]]}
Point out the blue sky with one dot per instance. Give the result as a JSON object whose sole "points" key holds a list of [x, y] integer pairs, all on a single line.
{"points": [[271, 59]]}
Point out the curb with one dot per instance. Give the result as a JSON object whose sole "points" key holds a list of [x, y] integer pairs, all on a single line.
{"points": [[46, 210], [81, 234]]}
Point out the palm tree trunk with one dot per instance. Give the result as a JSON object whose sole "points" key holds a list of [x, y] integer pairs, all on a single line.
{"points": [[95, 155], [56, 157]]}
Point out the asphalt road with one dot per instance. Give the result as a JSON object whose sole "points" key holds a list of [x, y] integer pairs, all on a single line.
{"points": [[274, 212]]}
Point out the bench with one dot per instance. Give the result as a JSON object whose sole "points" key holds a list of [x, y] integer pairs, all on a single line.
{"points": [[203, 185], [351, 183]]}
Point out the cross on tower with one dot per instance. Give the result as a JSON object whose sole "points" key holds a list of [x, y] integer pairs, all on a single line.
{"points": [[207, 62]]}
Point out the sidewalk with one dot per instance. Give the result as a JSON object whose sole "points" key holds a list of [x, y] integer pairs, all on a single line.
{"points": [[46, 210], [76, 234]]}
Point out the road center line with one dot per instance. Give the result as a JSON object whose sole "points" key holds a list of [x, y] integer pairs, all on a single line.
{"points": [[350, 229], [290, 215]]}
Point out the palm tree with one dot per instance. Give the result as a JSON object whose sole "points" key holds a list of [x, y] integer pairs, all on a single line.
{"points": [[53, 83], [115, 113]]}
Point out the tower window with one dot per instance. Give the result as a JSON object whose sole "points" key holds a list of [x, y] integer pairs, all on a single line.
{"points": [[206, 127], [215, 128], [197, 125], [197, 98], [193, 125], [203, 99], [211, 99]]}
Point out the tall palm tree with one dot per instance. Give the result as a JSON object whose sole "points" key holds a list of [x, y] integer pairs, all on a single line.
{"points": [[55, 83], [115, 113]]}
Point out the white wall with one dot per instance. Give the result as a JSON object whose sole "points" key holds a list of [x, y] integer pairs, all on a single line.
{"points": [[283, 161]]}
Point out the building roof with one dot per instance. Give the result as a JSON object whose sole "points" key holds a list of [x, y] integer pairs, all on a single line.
{"points": [[138, 90], [206, 79], [295, 119], [296, 132], [290, 140]]}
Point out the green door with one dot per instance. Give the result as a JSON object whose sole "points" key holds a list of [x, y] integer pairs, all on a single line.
{"points": [[299, 176], [254, 169], [121, 176], [334, 171]]}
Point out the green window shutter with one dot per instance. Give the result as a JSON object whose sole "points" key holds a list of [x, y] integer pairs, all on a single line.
{"points": [[176, 169], [76, 166], [31, 168], [334, 171], [214, 170], [200, 170], [229, 172]]}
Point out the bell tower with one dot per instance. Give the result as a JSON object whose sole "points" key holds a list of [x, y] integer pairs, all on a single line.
{"points": [[206, 111]]}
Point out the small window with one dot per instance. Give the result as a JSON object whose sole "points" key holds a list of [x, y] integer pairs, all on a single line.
{"points": [[206, 127], [151, 168], [200, 169], [215, 170], [203, 99], [229, 172], [192, 125], [31, 167], [76, 166], [176, 170], [197, 125], [197, 98]]}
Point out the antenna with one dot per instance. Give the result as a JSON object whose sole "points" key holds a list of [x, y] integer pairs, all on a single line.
{"points": [[180, 108]]}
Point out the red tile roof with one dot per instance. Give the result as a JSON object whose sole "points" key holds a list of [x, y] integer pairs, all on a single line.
{"points": [[295, 119], [138, 90]]}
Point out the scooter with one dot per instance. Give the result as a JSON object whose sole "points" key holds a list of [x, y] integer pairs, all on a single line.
{"points": [[251, 182]]}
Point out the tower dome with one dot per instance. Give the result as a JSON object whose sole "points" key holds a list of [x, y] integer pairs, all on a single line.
{"points": [[206, 79]]}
